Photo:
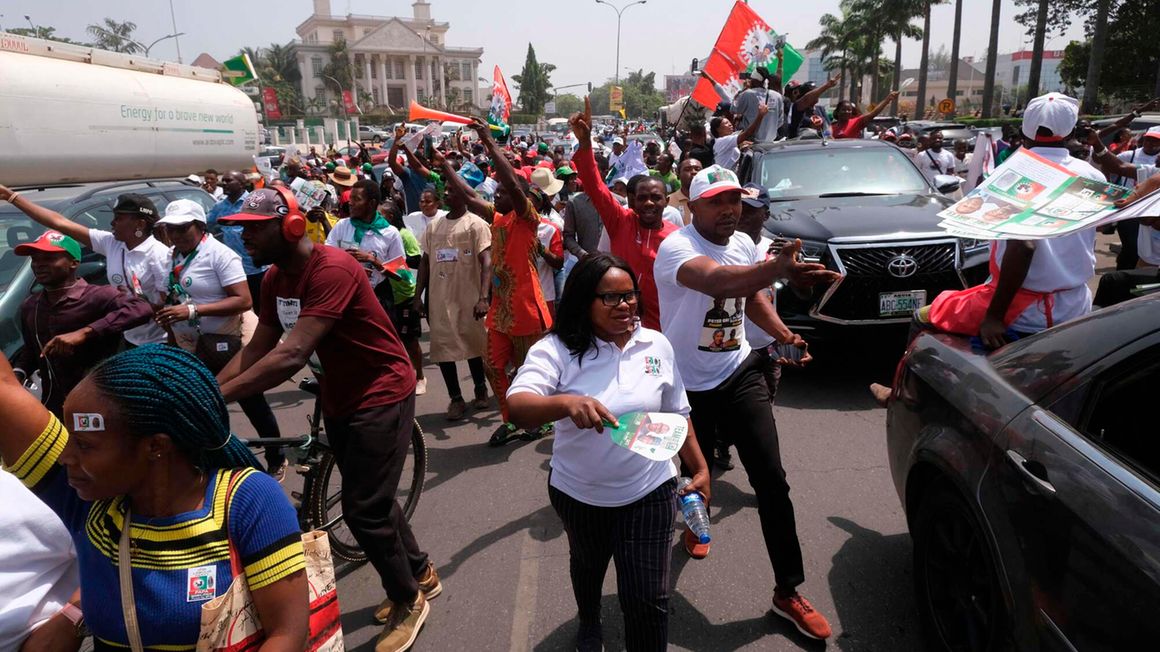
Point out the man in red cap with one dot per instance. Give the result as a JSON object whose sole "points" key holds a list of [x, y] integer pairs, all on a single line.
{"points": [[320, 300], [69, 326]]}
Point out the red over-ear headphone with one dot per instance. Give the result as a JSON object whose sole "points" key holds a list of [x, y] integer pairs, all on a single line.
{"points": [[293, 222]]}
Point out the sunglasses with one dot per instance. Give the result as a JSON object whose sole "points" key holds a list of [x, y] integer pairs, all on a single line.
{"points": [[613, 299]]}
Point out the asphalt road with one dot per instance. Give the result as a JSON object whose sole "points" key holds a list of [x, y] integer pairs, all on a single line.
{"points": [[485, 520]]}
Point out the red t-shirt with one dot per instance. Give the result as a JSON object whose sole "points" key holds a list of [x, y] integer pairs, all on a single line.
{"points": [[362, 357], [853, 127], [628, 239], [517, 301]]}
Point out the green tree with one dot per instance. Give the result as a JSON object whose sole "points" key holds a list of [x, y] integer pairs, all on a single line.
{"points": [[1131, 44], [992, 55], [115, 37], [46, 33], [833, 41], [567, 104], [641, 99], [534, 80]]}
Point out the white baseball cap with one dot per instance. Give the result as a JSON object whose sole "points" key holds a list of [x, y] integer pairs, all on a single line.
{"points": [[183, 211], [711, 181], [1055, 111], [618, 141], [1153, 132]]}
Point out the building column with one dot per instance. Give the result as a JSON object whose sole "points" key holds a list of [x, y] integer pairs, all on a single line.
{"points": [[368, 82], [307, 76], [384, 61], [427, 77], [475, 97], [409, 69], [442, 81]]}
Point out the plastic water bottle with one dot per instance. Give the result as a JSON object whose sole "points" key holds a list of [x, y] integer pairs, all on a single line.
{"points": [[694, 511]]}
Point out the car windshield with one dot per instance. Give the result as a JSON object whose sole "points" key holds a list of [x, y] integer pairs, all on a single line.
{"points": [[15, 229], [829, 171]]}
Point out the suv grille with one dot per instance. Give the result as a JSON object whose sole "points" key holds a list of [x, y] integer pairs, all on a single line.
{"points": [[857, 296]]}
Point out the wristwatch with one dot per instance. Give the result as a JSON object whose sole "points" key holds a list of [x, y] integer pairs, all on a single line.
{"points": [[76, 617]]}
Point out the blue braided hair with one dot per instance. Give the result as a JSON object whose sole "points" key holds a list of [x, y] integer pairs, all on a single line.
{"points": [[160, 388]]}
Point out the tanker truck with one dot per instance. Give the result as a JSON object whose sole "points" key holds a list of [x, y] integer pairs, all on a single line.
{"points": [[79, 126], [74, 114]]}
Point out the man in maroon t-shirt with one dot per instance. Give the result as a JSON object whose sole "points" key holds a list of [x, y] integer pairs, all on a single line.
{"points": [[320, 299]]}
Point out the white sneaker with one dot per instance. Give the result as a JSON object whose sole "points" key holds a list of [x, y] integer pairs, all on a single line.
{"points": [[421, 387]]}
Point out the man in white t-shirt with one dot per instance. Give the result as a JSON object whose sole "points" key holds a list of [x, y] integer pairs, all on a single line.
{"points": [[1129, 230], [428, 212], [709, 279], [934, 159]]}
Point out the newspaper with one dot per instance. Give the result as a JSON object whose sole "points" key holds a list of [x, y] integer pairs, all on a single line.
{"points": [[308, 194], [1030, 198]]}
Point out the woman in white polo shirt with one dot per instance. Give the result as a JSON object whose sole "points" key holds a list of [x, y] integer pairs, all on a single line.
{"points": [[596, 363], [207, 296], [134, 259]]}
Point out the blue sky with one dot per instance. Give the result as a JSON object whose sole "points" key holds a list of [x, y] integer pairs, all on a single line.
{"points": [[579, 36]]}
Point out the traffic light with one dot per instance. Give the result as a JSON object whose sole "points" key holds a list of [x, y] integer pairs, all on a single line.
{"points": [[693, 66], [589, 87]]}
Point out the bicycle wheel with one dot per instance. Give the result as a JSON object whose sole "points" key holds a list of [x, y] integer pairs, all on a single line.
{"points": [[414, 473], [323, 498]]}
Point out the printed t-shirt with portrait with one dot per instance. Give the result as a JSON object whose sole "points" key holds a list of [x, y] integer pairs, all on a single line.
{"points": [[707, 333], [549, 236], [517, 301], [178, 562], [142, 271], [201, 277], [386, 244], [641, 377], [362, 357]]}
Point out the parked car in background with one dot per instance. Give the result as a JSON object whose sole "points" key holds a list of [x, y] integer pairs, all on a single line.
{"points": [[378, 154], [90, 204], [861, 208], [1031, 483], [951, 131], [372, 134]]}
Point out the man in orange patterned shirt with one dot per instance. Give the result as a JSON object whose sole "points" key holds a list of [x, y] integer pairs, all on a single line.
{"points": [[518, 316]]}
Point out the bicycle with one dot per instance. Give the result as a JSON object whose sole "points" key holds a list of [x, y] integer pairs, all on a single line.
{"points": [[319, 504]]}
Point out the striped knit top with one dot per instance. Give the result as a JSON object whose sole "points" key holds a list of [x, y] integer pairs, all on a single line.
{"points": [[179, 562]]}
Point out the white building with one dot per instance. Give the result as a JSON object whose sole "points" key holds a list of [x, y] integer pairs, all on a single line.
{"points": [[394, 59], [1014, 69]]}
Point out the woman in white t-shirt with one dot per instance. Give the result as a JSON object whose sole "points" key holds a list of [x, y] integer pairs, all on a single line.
{"points": [[727, 143], [598, 362], [207, 296], [134, 260]]}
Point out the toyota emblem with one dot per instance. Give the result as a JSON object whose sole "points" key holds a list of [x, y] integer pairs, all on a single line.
{"points": [[902, 266]]}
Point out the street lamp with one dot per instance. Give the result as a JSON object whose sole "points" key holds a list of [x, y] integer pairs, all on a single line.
{"points": [[168, 36], [35, 30], [618, 14], [340, 98]]}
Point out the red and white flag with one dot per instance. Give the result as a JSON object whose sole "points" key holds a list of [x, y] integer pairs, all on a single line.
{"points": [[746, 43], [270, 103], [501, 101]]}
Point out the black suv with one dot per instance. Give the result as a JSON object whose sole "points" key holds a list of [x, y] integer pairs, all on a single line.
{"points": [[862, 208], [90, 204]]}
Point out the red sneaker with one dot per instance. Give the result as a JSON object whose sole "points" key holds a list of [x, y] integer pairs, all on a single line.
{"points": [[694, 547], [800, 612]]}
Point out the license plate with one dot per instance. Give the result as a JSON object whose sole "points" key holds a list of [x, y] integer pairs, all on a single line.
{"points": [[893, 304]]}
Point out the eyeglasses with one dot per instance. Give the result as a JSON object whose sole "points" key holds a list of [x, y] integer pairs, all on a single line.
{"points": [[613, 299]]}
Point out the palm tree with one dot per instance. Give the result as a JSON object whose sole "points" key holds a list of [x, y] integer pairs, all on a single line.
{"points": [[1091, 87], [282, 61], [953, 74], [920, 105], [832, 40], [1034, 73], [992, 55], [115, 37], [896, 16]]}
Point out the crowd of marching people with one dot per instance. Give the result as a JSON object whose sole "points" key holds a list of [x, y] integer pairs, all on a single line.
{"points": [[578, 283]]}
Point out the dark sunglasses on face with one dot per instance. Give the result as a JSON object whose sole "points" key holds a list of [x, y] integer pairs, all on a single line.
{"points": [[613, 299]]}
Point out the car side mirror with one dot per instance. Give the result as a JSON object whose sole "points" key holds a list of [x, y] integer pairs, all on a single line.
{"points": [[947, 183]]}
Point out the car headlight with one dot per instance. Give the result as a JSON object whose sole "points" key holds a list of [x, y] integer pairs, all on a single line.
{"points": [[812, 252], [972, 245]]}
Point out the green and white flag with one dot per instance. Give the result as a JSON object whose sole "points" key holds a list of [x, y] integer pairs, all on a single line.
{"points": [[239, 70]]}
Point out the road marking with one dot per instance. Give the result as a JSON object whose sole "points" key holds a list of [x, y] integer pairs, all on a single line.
{"points": [[527, 586]]}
